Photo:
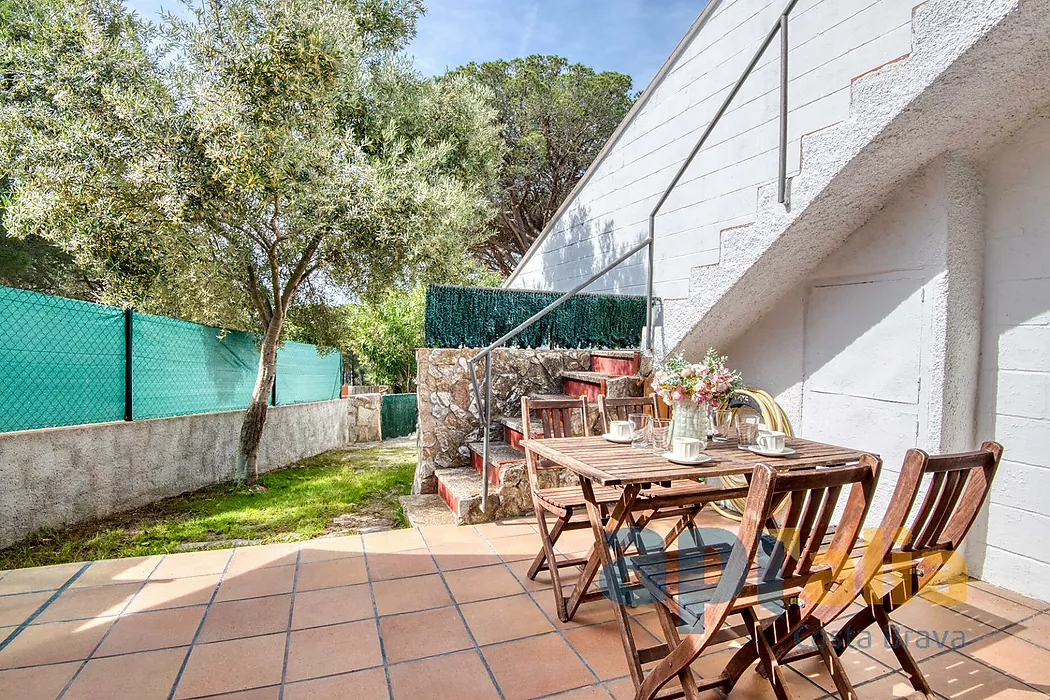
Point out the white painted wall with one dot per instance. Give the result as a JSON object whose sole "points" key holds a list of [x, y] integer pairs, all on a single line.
{"points": [[861, 354], [1009, 546], [832, 42]]}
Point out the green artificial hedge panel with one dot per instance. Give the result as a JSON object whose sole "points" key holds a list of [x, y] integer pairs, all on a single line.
{"points": [[474, 317]]}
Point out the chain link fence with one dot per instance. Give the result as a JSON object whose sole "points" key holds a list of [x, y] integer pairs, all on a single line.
{"points": [[66, 362]]}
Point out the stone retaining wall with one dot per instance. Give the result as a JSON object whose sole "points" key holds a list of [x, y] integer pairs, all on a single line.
{"points": [[448, 414]]}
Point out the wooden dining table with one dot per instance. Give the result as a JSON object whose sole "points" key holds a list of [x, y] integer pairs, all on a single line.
{"points": [[653, 484]]}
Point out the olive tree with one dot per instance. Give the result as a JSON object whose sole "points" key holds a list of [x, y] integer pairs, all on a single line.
{"points": [[287, 150]]}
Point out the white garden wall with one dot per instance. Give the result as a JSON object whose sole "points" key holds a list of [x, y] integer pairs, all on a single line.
{"points": [[832, 42]]}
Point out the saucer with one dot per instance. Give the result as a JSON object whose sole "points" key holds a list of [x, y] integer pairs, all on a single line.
{"points": [[617, 440], [669, 456], [786, 452]]}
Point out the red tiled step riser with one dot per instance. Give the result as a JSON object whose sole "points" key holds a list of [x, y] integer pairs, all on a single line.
{"points": [[476, 462], [614, 366], [449, 498], [574, 387]]}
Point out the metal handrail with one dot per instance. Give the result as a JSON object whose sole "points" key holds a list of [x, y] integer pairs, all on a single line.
{"points": [[780, 27]]}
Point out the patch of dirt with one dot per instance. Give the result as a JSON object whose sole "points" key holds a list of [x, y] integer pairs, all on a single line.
{"points": [[374, 516]]}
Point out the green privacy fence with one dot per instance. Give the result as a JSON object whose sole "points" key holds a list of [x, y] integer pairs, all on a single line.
{"points": [[474, 317], [65, 362], [398, 414]]}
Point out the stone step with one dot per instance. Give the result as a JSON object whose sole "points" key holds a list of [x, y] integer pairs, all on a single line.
{"points": [[500, 453], [514, 432], [595, 384], [426, 509], [460, 489]]}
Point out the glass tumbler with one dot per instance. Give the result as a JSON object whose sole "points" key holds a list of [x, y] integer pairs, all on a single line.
{"points": [[747, 429], [640, 427], [722, 423], [661, 436]]}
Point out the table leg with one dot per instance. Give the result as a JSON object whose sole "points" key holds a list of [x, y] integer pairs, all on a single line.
{"points": [[601, 538]]}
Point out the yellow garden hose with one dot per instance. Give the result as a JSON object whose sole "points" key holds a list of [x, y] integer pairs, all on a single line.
{"points": [[775, 419]]}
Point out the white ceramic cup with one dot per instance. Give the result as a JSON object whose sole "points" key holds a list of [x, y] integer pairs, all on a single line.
{"points": [[620, 429], [771, 441], [686, 448]]}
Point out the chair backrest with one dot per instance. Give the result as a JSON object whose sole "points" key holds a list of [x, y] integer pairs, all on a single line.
{"points": [[958, 486], [801, 555], [619, 408], [556, 416]]}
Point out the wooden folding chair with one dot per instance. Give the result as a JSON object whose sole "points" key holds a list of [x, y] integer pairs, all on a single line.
{"points": [[902, 559], [620, 408], [564, 502], [702, 586]]}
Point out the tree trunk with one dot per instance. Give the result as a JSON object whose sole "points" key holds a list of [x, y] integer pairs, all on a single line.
{"points": [[255, 416]]}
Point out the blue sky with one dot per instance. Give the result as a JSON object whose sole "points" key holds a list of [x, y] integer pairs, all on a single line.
{"points": [[629, 36]]}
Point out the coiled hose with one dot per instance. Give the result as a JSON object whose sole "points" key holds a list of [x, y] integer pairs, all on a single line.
{"points": [[774, 418]]}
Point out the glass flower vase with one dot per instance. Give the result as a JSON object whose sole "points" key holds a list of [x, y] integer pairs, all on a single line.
{"points": [[689, 421]]}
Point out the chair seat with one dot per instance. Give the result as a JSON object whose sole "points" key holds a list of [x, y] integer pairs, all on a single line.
{"points": [[566, 497], [688, 579]]}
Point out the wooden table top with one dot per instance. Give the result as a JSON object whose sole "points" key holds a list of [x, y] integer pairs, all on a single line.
{"points": [[611, 464]]}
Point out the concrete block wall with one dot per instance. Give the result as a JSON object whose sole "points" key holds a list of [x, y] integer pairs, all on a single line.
{"points": [[1008, 546], [832, 42], [61, 476]]}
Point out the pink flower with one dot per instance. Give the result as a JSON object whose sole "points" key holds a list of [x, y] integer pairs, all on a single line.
{"points": [[677, 395]]}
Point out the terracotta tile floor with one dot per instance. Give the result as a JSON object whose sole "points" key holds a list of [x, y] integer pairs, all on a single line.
{"points": [[434, 613]]}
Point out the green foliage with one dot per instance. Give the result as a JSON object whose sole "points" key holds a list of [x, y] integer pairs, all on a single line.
{"points": [[554, 119], [385, 333], [297, 504]]}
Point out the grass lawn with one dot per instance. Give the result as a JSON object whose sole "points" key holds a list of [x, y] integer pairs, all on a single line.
{"points": [[298, 503]]}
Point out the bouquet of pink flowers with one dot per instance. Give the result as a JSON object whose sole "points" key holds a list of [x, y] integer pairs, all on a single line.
{"points": [[707, 383]]}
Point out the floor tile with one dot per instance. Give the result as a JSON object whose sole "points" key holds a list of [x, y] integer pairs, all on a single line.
{"points": [[410, 594], [331, 573], [589, 613], [594, 692], [495, 531], [602, 647], [934, 627], [131, 570], [16, 609], [752, 686], [895, 685], [326, 548], [174, 593], [988, 608], [332, 605], [860, 668], [503, 619], [575, 542], [516, 547], [226, 667], [419, 634], [84, 603], [464, 555], [460, 676], [246, 618], [393, 541], [192, 564], [1014, 656], [42, 578], [447, 534], [263, 556], [1009, 595], [323, 651], [412, 562], [153, 630], [257, 582], [271, 693], [1035, 630], [468, 585], [360, 685], [38, 683], [536, 666], [54, 643], [150, 673], [956, 676]]}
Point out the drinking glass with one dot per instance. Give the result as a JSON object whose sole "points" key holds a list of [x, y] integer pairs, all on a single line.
{"points": [[640, 424], [747, 429], [722, 423], [661, 436]]}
